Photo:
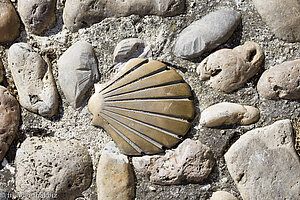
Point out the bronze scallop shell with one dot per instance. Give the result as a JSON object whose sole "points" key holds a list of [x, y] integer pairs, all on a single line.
{"points": [[144, 108]]}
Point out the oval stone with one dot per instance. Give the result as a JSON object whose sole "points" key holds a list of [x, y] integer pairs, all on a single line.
{"points": [[281, 81]]}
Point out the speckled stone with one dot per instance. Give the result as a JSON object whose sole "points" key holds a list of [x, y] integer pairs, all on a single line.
{"points": [[226, 113], [52, 168], [264, 164], [190, 162], [207, 33], [78, 14], [77, 72], [37, 15], [282, 17], [115, 179], [281, 81], [34, 80], [1, 71], [9, 120], [229, 69], [9, 22]]}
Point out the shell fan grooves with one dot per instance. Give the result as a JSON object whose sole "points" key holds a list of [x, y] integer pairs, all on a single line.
{"points": [[144, 108]]}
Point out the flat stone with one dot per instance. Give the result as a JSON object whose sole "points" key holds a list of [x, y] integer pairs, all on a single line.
{"points": [[190, 162], [52, 168], [227, 70], [226, 113], [115, 178], [222, 195], [9, 22], [131, 48], [9, 120], [78, 14], [77, 72], [281, 81], [282, 17], [37, 15], [207, 33], [34, 80], [264, 164]]}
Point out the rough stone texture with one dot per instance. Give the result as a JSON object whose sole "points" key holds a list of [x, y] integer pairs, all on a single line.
{"points": [[9, 120], [52, 168], [115, 179], [131, 48], [78, 70], [9, 22], [282, 17], [227, 70], [264, 164], [207, 33], [3, 195], [79, 14], [37, 15], [228, 114], [1, 72], [297, 134], [34, 80], [222, 195], [190, 162], [281, 81]]}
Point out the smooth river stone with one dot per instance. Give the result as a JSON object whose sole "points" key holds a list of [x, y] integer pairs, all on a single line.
{"points": [[264, 164], [34, 80], [77, 72], [207, 33], [282, 17], [78, 14], [37, 15], [49, 168], [9, 22], [190, 162], [229, 69], [228, 114], [281, 81], [222, 195], [115, 178], [9, 120]]}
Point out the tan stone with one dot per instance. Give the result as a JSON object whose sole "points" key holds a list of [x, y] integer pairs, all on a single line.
{"points": [[1, 72], [142, 103], [9, 22], [9, 120], [226, 113], [115, 179], [227, 70], [222, 195], [281, 81], [282, 17]]}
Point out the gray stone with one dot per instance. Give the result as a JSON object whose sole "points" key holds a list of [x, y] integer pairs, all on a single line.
{"points": [[207, 33], [9, 22], [52, 168], [227, 70], [190, 162], [222, 195], [77, 72], [37, 15], [282, 17], [33, 79], [226, 113], [115, 179], [131, 48], [281, 81], [9, 120], [78, 14], [3, 195], [264, 164]]}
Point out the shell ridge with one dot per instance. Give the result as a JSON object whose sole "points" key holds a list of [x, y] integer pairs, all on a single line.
{"points": [[173, 83], [145, 137], [158, 78], [133, 80], [148, 125], [121, 74]]}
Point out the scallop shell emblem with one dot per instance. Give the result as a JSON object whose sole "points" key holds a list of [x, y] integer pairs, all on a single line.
{"points": [[145, 108]]}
